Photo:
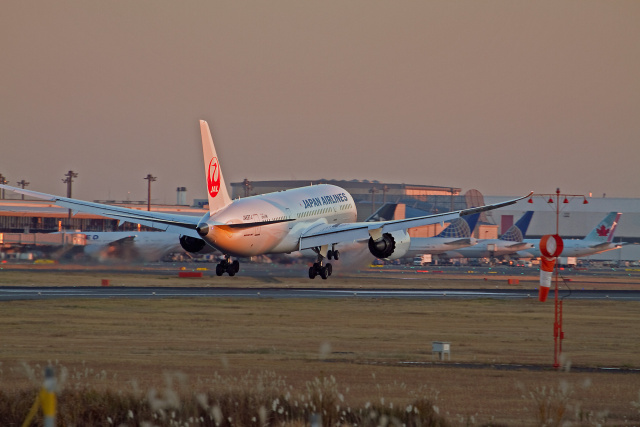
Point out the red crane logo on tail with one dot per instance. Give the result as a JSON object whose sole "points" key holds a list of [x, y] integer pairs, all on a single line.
{"points": [[213, 177]]}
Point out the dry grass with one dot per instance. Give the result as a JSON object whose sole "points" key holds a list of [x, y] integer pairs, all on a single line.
{"points": [[126, 345]]}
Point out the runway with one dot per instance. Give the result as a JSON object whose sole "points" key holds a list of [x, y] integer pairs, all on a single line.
{"points": [[15, 293]]}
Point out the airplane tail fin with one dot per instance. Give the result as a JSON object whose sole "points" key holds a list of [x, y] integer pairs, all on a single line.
{"points": [[605, 228], [460, 227], [517, 231], [216, 187]]}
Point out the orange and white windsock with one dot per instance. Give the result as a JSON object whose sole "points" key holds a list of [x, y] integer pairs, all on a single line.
{"points": [[546, 272], [551, 246]]}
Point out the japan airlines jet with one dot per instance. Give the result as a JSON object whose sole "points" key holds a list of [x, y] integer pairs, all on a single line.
{"points": [[600, 239], [317, 217], [508, 244]]}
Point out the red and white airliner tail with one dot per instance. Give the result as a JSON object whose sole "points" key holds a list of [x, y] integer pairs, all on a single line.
{"points": [[216, 187], [316, 217]]}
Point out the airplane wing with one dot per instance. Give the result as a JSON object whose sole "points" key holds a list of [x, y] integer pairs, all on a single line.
{"points": [[183, 224], [321, 235]]}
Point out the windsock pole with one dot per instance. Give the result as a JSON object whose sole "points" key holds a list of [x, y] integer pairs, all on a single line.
{"points": [[551, 247]]}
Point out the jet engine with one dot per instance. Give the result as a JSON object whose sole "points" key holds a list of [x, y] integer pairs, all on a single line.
{"points": [[392, 245], [191, 244]]}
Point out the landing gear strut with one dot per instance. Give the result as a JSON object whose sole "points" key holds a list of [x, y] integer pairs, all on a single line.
{"points": [[318, 269], [228, 266]]}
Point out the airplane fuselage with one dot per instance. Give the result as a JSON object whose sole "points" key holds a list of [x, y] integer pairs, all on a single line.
{"points": [[573, 248], [489, 248], [437, 245], [298, 210]]}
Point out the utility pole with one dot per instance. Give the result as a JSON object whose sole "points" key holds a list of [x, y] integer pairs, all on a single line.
{"points": [[4, 181], [151, 179], [23, 184], [69, 181]]}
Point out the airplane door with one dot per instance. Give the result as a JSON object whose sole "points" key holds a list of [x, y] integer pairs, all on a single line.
{"points": [[255, 218]]}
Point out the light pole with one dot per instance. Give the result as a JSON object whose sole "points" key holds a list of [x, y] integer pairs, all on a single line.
{"points": [[373, 192], [23, 184], [151, 179], [247, 187], [4, 181], [69, 181]]}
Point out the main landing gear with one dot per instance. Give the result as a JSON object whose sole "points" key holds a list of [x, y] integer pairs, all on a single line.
{"points": [[227, 266], [318, 269]]}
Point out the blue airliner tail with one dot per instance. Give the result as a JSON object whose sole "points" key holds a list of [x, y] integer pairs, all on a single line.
{"points": [[516, 232], [460, 227]]}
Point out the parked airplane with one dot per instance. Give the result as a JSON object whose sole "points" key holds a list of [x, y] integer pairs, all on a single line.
{"points": [[131, 245], [503, 247], [316, 217], [600, 239]]}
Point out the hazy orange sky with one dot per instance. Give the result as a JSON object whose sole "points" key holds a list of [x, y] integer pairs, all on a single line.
{"points": [[501, 96]]}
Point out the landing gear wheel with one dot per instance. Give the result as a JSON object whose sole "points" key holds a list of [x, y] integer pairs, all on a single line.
{"points": [[329, 254], [329, 268], [236, 265], [324, 273], [231, 270], [312, 272], [219, 270], [336, 255]]}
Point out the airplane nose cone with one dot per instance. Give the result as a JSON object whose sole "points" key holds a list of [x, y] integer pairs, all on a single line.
{"points": [[202, 229]]}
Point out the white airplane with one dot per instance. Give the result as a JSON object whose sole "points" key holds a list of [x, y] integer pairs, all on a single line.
{"points": [[131, 245], [316, 217], [506, 245], [600, 239]]}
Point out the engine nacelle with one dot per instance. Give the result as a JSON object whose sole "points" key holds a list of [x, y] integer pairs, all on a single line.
{"points": [[191, 244], [392, 245]]}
